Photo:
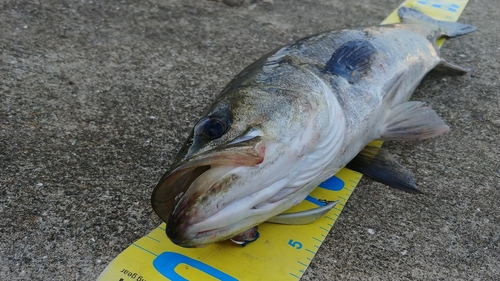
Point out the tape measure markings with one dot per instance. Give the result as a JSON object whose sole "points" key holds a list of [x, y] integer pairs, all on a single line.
{"points": [[146, 250], [153, 238]]}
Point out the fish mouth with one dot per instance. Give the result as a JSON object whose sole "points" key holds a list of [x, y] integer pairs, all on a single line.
{"points": [[188, 193]]}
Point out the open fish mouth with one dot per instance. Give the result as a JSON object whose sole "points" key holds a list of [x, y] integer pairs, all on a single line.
{"points": [[186, 187], [219, 194], [216, 203], [197, 188]]}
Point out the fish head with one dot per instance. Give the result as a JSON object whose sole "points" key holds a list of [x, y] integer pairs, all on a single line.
{"points": [[234, 171]]}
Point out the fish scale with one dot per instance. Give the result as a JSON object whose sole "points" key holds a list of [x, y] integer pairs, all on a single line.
{"points": [[154, 257]]}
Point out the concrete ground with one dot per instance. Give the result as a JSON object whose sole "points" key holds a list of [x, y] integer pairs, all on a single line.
{"points": [[97, 96]]}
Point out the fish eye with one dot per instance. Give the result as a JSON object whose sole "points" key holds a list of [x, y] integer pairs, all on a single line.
{"points": [[211, 127]]}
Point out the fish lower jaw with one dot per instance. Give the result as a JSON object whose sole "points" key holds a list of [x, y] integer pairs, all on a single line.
{"points": [[204, 232], [197, 240], [205, 237]]}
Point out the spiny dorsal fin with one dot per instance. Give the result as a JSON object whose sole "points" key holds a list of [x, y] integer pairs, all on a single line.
{"points": [[413, 121], [352, 60], [378, 164]]}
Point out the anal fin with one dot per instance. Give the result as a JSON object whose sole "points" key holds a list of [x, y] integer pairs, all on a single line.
{"points": [[413, 121], [379, 165]]}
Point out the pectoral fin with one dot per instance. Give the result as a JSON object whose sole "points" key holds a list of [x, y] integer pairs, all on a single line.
{"points": [[380, 165], [304, 217], [413, 121]]}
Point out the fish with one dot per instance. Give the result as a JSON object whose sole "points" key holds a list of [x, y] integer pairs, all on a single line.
{"points": [[294, 118]]}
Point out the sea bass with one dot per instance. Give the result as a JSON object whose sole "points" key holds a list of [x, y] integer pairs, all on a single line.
{"points": [[293, 119]]}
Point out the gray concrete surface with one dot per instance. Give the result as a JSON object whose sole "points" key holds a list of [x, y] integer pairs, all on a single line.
{"points": [[96, 97]]}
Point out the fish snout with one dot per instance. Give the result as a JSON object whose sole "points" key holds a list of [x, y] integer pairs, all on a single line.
{"points": [[177, 232]]}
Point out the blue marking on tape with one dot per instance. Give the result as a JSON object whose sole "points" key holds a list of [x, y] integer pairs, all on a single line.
{"points": [[440, 5], [333, 184], [166, 263], [315, 201]]}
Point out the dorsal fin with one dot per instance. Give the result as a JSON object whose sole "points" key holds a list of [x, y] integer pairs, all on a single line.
{"points": [[352, 60]]}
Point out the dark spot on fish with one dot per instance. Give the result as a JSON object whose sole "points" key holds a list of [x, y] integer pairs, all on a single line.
{"points": [[286, 60], [368, 34], [353, 60]]}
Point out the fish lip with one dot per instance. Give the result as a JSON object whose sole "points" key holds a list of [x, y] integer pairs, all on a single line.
{"points": [[182, 234], [173, 185], [178, 237], [168, 198], [171, 209]]}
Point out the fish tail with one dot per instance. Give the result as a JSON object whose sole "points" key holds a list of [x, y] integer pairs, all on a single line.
{"points": [[445, 28]]}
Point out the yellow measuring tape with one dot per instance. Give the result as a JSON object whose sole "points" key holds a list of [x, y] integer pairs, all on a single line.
{"points": [[155, 258]]}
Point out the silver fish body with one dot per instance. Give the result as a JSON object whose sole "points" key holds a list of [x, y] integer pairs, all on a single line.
{"points": [[294, 118]]}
